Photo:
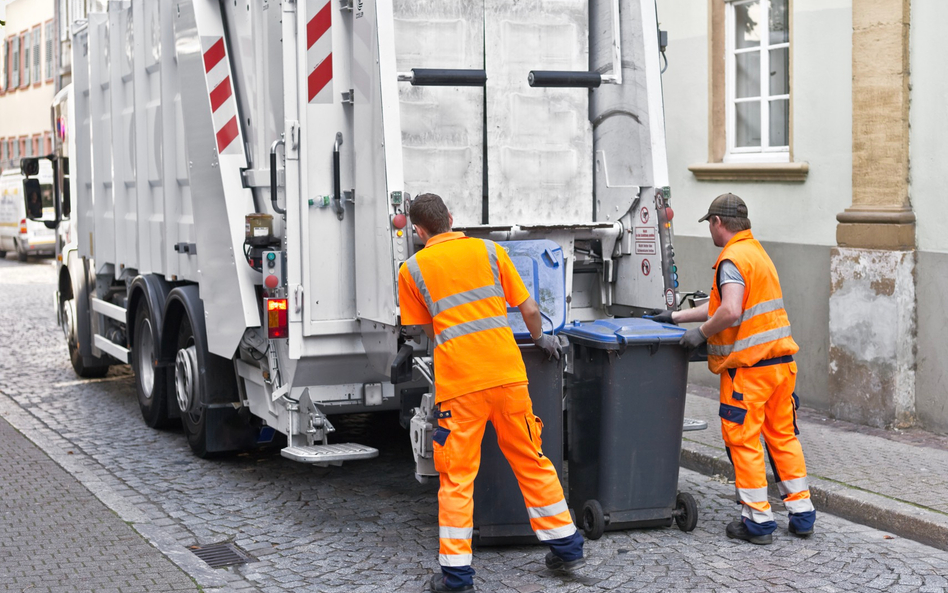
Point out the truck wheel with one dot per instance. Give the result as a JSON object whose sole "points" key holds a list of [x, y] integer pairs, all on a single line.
{"points": [[21, 253], [188, 392], [3, 254], [151, 383], [78, 363]]}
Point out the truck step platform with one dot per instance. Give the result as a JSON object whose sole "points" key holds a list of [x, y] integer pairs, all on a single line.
{"points": [[334, 454]]}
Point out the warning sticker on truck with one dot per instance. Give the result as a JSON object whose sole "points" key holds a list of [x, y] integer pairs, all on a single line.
{"points": [[642, 248], [644, 233]]}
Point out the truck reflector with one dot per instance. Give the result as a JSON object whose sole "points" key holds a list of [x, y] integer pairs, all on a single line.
{"points": [[276, 319]]}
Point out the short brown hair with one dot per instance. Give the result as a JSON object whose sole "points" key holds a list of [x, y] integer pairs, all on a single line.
{"points": [[429, 212], [735, 224]]}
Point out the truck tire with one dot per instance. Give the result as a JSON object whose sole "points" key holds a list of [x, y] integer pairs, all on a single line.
{"points": [[188, 388], [151, 381], [3, 254], [21, 254], [86, 371]]}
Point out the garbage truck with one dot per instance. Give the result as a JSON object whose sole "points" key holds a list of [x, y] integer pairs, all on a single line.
{"points": [[232, 180]]}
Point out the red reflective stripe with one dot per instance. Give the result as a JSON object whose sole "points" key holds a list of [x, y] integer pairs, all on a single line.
{"points": [[214, 55], [220, 94], [318, 25], [227, 134], [320, 77]]}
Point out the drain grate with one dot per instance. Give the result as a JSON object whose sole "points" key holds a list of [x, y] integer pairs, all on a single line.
{"points": [[220, 555]]}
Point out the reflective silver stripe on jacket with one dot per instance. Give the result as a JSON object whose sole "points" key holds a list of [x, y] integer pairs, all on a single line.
{"points": [[792, 486], [545, 535], [470, 327], [547, 511], [799, 506], [455, 532], [415, 272], [759, 309], [752, 494], [462, 298], [455, 559], [748, 342]]}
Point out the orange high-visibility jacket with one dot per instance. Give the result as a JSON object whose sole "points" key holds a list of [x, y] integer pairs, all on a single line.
{"points": [[461, 285], [763, 329]]}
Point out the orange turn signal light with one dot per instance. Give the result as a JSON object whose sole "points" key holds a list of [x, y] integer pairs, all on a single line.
{"points": [[277, 326]]}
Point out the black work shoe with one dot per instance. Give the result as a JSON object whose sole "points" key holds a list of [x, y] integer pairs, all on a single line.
{"points": [[737, 530], [437, 584], [554, 562], [803, 534]]}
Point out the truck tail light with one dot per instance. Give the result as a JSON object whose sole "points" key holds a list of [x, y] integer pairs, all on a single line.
{"points": [[23, 230], [276, 319]]}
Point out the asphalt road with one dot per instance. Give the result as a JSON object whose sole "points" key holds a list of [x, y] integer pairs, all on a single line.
{"points": [[366, 526]]}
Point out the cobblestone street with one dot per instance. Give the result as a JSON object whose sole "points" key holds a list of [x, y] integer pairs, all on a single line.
{"points": [[364, 527]]}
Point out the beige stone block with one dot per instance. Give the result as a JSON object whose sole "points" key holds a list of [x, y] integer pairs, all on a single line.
{"points": [[876, 236], [880, 51], [872, 13]]}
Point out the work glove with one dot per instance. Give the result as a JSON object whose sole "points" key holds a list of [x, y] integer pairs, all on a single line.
{"points": [[661, 316], [693, 338], [550, 345]]}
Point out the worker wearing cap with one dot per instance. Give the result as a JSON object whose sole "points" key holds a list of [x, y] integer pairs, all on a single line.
{"points": [[458, 289], [750, 347]]}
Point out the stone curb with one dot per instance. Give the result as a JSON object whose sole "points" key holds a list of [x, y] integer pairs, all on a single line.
{"points": [[87, 471], [854, 504]]}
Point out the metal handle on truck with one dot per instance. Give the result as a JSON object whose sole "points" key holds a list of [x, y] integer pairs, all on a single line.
{"points": [[273, 175], [443, 77], [337, 206], [564, 79]]}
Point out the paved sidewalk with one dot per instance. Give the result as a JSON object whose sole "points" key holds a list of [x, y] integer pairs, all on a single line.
{"points": [[893, 480], [57, 536]]}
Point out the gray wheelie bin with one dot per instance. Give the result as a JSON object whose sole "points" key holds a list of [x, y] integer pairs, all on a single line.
{"points": [[500, 516], [626, 405]]}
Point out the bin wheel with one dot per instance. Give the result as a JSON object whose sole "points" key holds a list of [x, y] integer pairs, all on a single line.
{"points": [[686, 512], [594, 521]]}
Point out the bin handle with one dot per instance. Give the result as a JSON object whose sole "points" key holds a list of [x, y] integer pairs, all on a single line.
{"points": [[623, 342]]}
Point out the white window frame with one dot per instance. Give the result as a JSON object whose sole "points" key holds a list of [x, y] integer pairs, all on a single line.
{"points": [[50, 45], [14, 62], [25, 57], [764, 153]]}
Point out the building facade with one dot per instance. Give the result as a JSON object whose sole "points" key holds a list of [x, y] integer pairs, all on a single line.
{"points": [[828, 118], [28, 73]]}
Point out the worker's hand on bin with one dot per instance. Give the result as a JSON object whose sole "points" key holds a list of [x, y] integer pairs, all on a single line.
{"points": [[661, 316], [693, 338], [549, 344]]}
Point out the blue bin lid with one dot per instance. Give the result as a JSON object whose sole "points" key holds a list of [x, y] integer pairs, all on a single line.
{"points": [[612, 334], [541, 266]]}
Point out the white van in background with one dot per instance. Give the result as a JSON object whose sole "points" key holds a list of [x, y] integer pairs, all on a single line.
{"points": [[18, 234]]}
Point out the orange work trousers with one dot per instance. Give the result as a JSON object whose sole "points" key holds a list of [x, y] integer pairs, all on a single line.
{"points": [[757, 400], [457, 456]]}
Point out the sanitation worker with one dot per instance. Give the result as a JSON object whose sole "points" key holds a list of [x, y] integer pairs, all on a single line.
{"points": [[750, 347], [458, 289]]}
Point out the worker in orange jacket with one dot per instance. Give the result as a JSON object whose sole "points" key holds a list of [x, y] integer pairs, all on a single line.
{"points": [[750, 347], [458, 289]]}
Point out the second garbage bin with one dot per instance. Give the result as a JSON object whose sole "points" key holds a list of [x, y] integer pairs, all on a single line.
{"points": [[626, 404]]}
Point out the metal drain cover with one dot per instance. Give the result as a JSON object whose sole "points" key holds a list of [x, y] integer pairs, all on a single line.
{"points": [[220, 555]]}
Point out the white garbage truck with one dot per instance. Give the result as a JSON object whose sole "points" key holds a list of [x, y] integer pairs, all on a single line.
{"points": [[232, 179]]}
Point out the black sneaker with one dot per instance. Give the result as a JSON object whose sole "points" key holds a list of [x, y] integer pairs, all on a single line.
{"points": [[737, 530], [803, 534], [554, 562], [437, 584]]}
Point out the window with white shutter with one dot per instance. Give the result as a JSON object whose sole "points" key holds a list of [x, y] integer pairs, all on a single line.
{"points": [[50, 44], [14, 63], [25, 64], [37, 74]]}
